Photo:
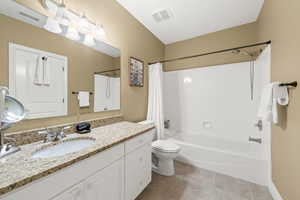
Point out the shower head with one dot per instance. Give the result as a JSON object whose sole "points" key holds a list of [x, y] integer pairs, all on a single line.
{"points": [[243, 53], [237, 51]]}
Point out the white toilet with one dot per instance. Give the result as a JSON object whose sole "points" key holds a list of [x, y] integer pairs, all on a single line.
{"points": [[164, 153]]}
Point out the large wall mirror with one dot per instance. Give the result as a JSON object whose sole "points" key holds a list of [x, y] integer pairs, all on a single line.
{"points": [[56, 74]]}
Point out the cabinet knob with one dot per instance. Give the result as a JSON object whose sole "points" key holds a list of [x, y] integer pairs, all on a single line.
{"points": [[141, 159]]}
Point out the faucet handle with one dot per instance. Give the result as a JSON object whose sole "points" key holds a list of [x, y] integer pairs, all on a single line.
{"points": [[66, 127], [43, 132], [61, 134]]}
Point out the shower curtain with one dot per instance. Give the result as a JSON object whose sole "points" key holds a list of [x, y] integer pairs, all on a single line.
{"points": [[155, 98]]}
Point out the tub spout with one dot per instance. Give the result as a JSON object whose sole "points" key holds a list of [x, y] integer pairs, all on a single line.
{"points": [[257, 140]]}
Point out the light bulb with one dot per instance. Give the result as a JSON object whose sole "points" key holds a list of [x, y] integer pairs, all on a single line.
{"points": [[89, 40], [60, 11], [99, 32], [52, 25], [72, 33], [84, 23]]}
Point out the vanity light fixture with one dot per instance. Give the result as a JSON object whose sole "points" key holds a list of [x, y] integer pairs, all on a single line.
{"points": [[60, 10], [72, 33], [52, 25], [89, 40], [66, 18]]}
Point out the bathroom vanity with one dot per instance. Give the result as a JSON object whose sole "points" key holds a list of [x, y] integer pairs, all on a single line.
{"points": [[117, 166]]}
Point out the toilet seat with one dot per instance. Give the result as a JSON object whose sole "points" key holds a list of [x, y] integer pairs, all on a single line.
{"points": [[165, 146]]}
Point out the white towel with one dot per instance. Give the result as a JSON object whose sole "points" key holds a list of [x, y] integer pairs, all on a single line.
{"points": [[268, 105], [281, 94], [46, 73], [37, 79], [84, 99]]}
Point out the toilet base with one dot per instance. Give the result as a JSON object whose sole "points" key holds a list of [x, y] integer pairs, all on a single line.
{"points": [[165, 167]]}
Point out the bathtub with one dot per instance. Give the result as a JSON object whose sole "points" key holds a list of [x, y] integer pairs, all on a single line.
{"points": [[234, 158]]}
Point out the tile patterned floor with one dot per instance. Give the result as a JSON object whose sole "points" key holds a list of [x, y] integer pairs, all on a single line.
{"points": [[192, 183]]}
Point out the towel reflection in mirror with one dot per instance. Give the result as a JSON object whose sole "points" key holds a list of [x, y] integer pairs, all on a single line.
{"points": [[42, 72]]}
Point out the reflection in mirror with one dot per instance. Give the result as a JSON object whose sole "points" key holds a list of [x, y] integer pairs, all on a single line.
{"points": [[45, 68]]}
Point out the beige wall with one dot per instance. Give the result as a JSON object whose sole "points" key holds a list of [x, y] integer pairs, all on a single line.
{"points": [[279, 21], [124, 32], [82, 60], [229, 38]]}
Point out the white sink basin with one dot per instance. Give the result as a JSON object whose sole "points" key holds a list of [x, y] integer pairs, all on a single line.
{"points": [[64, 147]]}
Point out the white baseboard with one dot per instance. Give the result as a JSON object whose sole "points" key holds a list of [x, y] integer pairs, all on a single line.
{"points": [[274, 192]]}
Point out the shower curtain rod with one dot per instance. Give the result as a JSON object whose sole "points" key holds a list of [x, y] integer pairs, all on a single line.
{"points": [[214, 52], [107, 71]]}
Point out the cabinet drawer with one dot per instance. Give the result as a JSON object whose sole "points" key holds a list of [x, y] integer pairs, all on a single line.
{"points": [[139, 141]]}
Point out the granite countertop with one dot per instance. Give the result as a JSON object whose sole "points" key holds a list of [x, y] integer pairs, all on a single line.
{"points": [[20, 168]]}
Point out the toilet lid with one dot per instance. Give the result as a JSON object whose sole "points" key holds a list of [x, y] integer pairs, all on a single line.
{"points": [[165, 146]]}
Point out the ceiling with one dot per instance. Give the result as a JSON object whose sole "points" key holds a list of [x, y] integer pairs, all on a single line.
{"points": [[192, 18]]}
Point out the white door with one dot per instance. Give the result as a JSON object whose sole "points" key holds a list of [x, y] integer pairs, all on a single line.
{"points": [[39, 80]]}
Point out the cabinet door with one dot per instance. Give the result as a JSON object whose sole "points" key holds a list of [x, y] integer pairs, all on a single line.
{"points": [[108, 184], [137, 171]]}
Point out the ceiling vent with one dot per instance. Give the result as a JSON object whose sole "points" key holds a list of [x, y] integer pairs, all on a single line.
{"points": [[29, 16], [162, 15]]}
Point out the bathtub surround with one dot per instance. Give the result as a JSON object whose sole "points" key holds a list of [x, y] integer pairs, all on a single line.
{"points": [[215, 117], [155, 98]]}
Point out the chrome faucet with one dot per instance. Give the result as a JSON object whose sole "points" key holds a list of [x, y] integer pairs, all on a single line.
{"points": [[54, 134]]}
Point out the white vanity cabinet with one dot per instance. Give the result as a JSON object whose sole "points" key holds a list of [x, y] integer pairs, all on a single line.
{"points": [[118, 173]]}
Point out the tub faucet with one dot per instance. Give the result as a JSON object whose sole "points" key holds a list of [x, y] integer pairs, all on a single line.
{"points": [[257, 140], [259, 125]]}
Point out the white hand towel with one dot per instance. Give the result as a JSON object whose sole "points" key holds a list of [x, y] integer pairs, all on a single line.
{"points": [[274, 112], [281, 94], [37, 80], [268, 107], [84, 99], [46, 73]]}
